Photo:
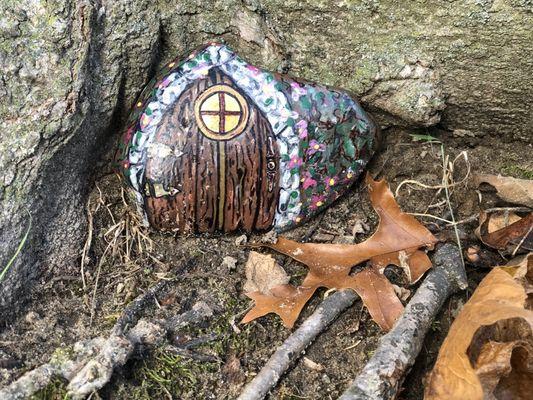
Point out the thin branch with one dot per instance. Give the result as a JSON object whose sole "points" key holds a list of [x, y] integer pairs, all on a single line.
{"points": [[295, 344]]}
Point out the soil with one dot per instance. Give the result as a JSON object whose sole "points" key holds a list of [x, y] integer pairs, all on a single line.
{"points": [[122, 263]]}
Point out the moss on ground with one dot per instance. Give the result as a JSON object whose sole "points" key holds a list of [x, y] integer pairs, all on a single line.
{"points": [[165, 373], [517, 171], [56, 390]]}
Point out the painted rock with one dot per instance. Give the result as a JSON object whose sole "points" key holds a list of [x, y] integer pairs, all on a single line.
{"points": [[216, 144]]}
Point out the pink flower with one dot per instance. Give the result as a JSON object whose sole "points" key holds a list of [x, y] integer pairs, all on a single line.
{"points": [[314, 146], [302, 129], [308, 181], [330, 181], [164, 83], [295, 161], [254, 70], [297, 91], [317, 201]]}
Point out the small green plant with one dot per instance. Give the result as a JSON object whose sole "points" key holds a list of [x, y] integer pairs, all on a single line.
{"points": [[424, 138], [17, 252]]}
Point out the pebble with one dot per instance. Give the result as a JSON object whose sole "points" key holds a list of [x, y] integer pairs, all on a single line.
{"points": [[32, 317], [229, 262]]}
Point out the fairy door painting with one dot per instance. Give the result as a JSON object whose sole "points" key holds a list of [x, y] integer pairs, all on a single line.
{"points": [[217, 144], [228, 178]]}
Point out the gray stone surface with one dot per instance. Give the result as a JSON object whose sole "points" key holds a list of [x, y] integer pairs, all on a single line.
{"points": [[70, 70]]}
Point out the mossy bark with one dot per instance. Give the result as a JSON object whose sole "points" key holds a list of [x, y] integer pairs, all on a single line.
{"points": [[72, 68]]}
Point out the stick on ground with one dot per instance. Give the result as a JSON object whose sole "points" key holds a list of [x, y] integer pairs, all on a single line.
{"points": [[296, 343], [383, 374]]}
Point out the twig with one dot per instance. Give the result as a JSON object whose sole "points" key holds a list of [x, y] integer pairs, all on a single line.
{"points": [[491, 210], [383, 374], [472, 217], [522, 241], [296, 343], [60, 365], [434, 217], [130, 314]]}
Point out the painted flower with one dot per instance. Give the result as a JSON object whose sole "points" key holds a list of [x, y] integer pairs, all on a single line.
{"points": [[254, 70], [297, 91], [314, 146], [331, 181], [349, 174], [164, 83], [308, 181], [317, 201], [202, 69], [145, 120], [302, 129], [286, 113], [295, 161], [125, 165]]}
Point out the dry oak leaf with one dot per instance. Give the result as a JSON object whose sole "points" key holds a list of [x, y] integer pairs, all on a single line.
{"points": [[396, 241], [513, 190], [488, 351], [505, 231]]}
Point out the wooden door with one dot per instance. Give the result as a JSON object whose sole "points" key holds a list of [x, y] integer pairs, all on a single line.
{"points": [[217, 167]]}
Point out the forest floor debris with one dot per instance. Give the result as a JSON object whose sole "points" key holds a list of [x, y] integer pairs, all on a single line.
{"points": [[383, 374], [60, 311]]}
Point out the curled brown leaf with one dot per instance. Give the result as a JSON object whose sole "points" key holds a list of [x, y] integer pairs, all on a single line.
{"points": [[493, 329], [513, 190], [506, 231]]}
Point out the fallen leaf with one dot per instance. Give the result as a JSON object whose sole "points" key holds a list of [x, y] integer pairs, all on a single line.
{"points": [[505, 231], [489, 344], [263, 273], [513, 190], [395, 241]]}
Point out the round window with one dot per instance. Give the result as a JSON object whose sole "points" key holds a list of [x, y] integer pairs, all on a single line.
{"points": [[221, 112]]}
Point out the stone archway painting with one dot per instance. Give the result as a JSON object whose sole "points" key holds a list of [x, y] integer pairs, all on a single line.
{"points": [[217, 144]]}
